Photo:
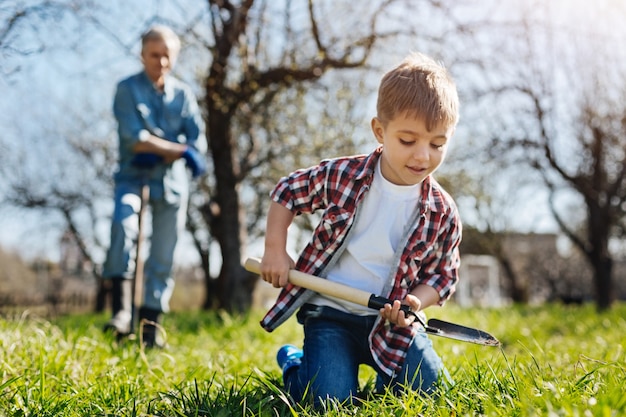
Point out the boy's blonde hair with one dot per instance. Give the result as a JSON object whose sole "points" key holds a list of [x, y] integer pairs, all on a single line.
{"points": [[419, 87], [165, 34]]}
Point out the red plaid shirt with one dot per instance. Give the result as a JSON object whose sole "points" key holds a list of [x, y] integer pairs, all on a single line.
{"points": [[430, 257]]}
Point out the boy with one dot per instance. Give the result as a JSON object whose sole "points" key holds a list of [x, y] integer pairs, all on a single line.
{"points": [[161, 132], [387, 228]]}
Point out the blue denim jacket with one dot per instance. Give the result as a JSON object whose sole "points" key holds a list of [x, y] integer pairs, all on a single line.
{"points": [[172, 114]]}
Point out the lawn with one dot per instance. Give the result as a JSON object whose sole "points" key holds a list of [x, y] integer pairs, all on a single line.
{"points": [[555, 361]]}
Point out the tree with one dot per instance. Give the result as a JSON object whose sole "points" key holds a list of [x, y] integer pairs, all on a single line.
{"points": [[73, 185], [571, 129], [599, 177], [57, 157], [489, 214]]}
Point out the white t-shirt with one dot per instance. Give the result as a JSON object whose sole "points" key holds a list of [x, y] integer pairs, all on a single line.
{"points": [[365, 264]]}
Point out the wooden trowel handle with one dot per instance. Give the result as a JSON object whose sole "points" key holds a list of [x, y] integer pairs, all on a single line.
{"points": [[317, 284]]}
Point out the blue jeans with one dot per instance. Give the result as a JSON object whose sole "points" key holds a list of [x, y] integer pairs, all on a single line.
{"points": [[335, 344], [168, 221]]}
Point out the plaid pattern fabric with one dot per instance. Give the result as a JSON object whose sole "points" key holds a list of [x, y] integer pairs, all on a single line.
{"points": [[431, 256]]}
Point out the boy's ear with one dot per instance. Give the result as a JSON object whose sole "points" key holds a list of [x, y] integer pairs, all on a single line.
{"points": [[378, 129]]}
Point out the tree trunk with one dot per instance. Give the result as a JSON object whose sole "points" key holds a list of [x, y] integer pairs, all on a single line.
{"points": [[603, 270], [518, 291], [234, 283], [599, 222]]}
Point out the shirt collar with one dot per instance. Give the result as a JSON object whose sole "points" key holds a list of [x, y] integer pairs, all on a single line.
{"points": [[168, 87], [366, 172]]}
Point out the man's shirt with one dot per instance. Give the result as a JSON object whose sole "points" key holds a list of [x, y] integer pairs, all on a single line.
{"points": [[173, 114]]}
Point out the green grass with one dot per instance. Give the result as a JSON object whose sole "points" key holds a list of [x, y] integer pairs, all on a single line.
{"points": [[555, 361]]}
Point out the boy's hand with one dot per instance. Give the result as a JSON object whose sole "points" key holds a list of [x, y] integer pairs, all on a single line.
{"points": [[275, 269], [395, 315]]}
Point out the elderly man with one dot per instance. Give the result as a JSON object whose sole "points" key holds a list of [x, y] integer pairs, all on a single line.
{"points": [[161, 135]]}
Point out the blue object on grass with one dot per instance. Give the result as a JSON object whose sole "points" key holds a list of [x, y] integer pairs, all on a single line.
{"points": [[289, 356]]}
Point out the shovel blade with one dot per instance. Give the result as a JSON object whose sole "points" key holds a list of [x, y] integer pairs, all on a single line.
{"points": [[458, 332]]}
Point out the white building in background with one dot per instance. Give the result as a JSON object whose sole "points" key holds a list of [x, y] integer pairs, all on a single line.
{"points": [[479, 283]]}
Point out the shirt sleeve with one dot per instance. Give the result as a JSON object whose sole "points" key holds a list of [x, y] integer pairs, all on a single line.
{"points": [[440, 269], [303, 191], [130, 126]]}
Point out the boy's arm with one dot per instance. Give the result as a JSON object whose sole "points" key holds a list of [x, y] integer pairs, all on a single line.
{"points": [[426, 296], [276, 263]]}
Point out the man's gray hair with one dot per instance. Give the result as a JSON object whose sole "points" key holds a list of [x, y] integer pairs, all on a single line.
{"points": [[162, 33]]}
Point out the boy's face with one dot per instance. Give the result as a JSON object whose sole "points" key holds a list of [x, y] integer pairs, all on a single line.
{"points": [[410, 151], [156, 60]]}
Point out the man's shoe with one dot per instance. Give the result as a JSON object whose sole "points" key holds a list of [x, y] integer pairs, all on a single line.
{"points": [[121, 303], [289, 357], [119, 324], [151, 330]]}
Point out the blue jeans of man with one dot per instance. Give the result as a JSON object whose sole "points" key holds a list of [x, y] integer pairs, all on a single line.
{"points": [[335, 344], [168, 220]]}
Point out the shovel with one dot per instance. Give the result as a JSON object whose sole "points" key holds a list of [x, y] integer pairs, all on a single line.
{"points": [[434, 326]]}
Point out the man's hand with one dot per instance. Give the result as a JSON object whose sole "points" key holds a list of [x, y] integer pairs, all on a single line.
{"points": [[146, 160], [195, 161], [395, 315]]}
